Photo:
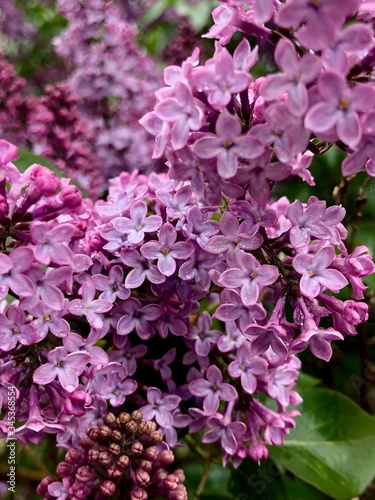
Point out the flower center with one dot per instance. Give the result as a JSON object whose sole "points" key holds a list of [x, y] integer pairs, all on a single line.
{"points": [[165, 251], [310, 273], [16, 329], [139, 228], [253, 275], [344, 103], [46, 318], [228, 144]]}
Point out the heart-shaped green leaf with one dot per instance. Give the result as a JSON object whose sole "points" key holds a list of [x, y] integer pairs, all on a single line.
{"points": [[333, 445]]}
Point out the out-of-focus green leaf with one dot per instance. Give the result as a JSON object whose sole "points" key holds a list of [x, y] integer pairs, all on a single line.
{"points": [[333, 445], [216, 485], [253, 481], [155, 11], [198, 14], [26, 158]]}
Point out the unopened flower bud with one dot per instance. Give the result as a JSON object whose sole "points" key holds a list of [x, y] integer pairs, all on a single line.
{"points": [[124, 418], [71, 197], [137, 416], [108, 488], [156, 437], [114, 472], [123, 461], [138, 494], [110, 419], [104, 458], [142, 478], [73, 456], [166, 457], [104, 431], [131, 427], [171, 482], [136, 449], [114, 448], [85, 474], [116, 436], [93, 454], [63, 469], [151, 453]]}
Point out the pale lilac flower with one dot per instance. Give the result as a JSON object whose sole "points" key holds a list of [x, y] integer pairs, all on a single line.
{"points": [[279, 382], [220, 79], [297, 73], [112, 285], [263, 337], [89, 307], [227, 145], [160, 407], [142, 269], [248, 367], [232, 339], [319, 20], [306, 222], [66, 367], [111, 382], [204, 337], [12, 267], [229, 433], [316, 273], [339, 107], [139, 318], [15, 328], [183, 112], [232, 308], [47, 319], [213, 390], [233, 238], [198, 227], [250, 276], [46, 288], [52, 243], [167, 250], [138, 224], [318, 340]]}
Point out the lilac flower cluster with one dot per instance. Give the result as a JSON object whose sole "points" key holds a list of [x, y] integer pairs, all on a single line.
{"points": [[51, 125], [113, 80]]}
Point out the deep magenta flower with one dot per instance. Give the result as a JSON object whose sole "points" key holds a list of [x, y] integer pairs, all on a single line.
{"points": [[263, 337], [167, 250], [250, 276], [316, 273], [66, 367], [213, 390], [318, 340], [138, 224], [89, 307], [204, 337], [227, 145], [160, 407]]}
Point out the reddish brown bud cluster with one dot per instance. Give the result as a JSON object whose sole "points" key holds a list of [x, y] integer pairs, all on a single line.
{"points": [[123, 458]]}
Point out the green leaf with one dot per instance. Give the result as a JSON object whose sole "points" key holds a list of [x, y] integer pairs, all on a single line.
{"points": [[306, 381], [26, 158], [253, 481], [216, 485], [155, 11], [332, 446]]}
